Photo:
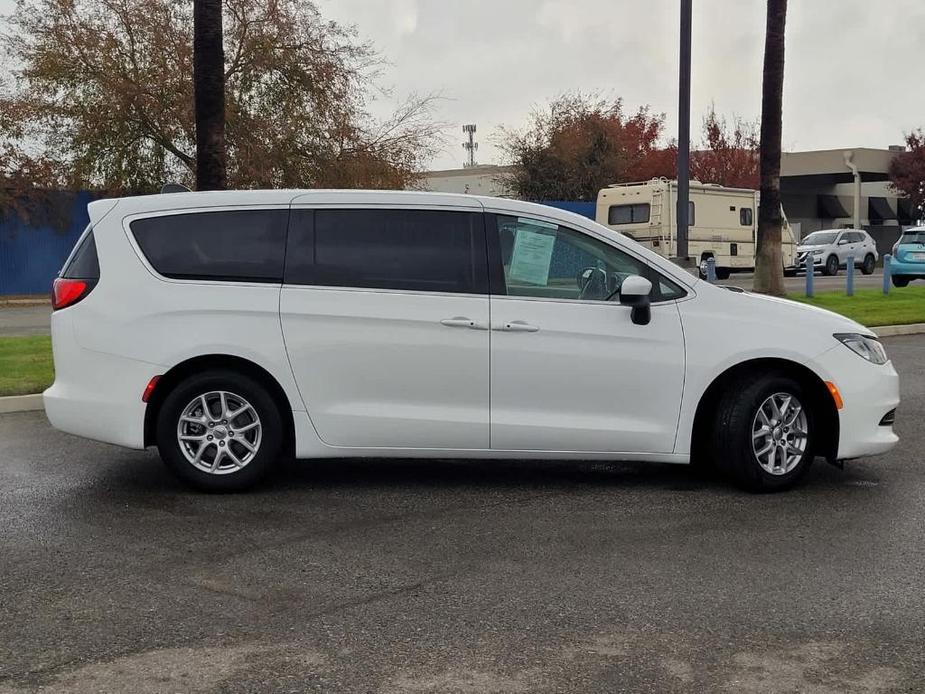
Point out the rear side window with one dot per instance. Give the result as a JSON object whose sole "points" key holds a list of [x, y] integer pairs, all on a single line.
{"points": [[419, 250], [84, 263], [629, 214], [234, 246]]}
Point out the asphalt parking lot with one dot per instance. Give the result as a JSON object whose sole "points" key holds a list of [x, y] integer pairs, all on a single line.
{"points": [[443, 576]]}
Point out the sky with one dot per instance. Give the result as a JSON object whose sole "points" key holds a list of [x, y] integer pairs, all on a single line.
{"points": [[851, 77]]}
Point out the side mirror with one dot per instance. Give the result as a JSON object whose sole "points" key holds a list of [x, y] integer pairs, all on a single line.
{"points": [[634, 292], [843, 242]]}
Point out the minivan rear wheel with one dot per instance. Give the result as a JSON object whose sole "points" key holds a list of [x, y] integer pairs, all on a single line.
{"points": [[867, 267], [219, 431], [763, 432]]}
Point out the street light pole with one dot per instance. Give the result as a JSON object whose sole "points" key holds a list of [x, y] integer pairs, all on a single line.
{"points": [[684, 132]]}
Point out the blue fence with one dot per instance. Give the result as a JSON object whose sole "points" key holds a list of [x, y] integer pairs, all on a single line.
{"points": [[585, 209], [33, 250]]}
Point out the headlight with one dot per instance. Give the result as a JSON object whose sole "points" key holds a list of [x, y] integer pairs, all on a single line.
{"points": [[863, 346], [819, 251]]}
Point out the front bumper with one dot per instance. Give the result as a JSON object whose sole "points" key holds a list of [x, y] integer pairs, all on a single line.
{"points": [[801, 260], [869, 392]]}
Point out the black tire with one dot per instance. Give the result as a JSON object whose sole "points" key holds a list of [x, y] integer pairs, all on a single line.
{"points": [[900, 281], [271, 431], [701, 271], [736, 415], [830, 269], [867, 267]]}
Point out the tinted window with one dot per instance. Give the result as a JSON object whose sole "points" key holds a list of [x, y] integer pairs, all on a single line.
{"points": [[420, 250], [244, 246], [917, 236], [548, 261], [84, 263], [746, 216], [628, 214]]}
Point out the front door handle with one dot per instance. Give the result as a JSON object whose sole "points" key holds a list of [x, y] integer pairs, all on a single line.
{"points": [[517, 326], [462, 322]]}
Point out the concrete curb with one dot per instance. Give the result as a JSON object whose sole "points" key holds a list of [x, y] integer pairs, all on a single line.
{"points": [[893, 330], [24, 303], [21, 403]]}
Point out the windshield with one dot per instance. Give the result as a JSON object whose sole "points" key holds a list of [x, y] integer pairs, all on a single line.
{"points": [[819, 238], [914, 236]]}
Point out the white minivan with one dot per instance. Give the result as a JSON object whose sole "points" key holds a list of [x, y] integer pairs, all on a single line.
{"points": [[230, 329]]}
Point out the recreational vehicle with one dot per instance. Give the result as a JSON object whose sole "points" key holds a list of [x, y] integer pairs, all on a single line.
{"points": [[723, 222]]}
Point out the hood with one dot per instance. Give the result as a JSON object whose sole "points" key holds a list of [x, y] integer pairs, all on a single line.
{"points": [[785, 315], [814, 247]]}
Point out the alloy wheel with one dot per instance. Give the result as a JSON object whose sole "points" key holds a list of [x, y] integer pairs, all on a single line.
{"points": [[219, 432], [780, 433]]}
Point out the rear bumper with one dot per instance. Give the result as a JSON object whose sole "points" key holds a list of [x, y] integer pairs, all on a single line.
{"points": [[898, 267], [95, 395]]}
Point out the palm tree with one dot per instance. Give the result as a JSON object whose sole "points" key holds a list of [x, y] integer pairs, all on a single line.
{"points": [[769, 269], [209, 94]]}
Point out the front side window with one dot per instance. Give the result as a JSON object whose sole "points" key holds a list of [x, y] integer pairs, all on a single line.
{"points": [[232, 246], [416, 250], [548, 261], [628, 214]]}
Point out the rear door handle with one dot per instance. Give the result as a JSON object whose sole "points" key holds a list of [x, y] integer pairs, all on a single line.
{"points": [[517, 326], [463, 322]]}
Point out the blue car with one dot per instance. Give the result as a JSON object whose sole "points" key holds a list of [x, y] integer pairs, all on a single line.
{"points": [[909, 257]]}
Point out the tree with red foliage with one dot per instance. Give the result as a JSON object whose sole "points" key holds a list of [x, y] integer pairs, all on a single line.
{"points": [[907, 171], [729, 155], [581, 143]]}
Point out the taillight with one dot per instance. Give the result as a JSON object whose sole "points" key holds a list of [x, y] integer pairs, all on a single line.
{"points": [[67, 292], [149, 389]]}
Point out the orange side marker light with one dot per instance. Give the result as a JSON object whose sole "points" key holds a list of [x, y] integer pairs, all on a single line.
{"points": [[836, 396]]}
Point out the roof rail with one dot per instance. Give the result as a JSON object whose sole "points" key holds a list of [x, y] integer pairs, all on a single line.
{"points": [[657, 179]]}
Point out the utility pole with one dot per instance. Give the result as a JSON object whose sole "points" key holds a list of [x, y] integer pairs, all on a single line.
{"points": [[209, 94], [471, 146], [684, 133]]}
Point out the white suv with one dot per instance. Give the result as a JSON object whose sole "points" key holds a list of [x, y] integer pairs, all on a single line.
{"points": [[232, 328], [830, 249]]}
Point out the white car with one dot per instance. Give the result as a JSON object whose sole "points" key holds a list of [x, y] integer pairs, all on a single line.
{"points": [[830, 249], [232, 328]]}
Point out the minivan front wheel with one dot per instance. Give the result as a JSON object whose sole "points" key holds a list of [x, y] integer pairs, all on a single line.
{"points": [[219, 431], [831, 266], [763, 432]]}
